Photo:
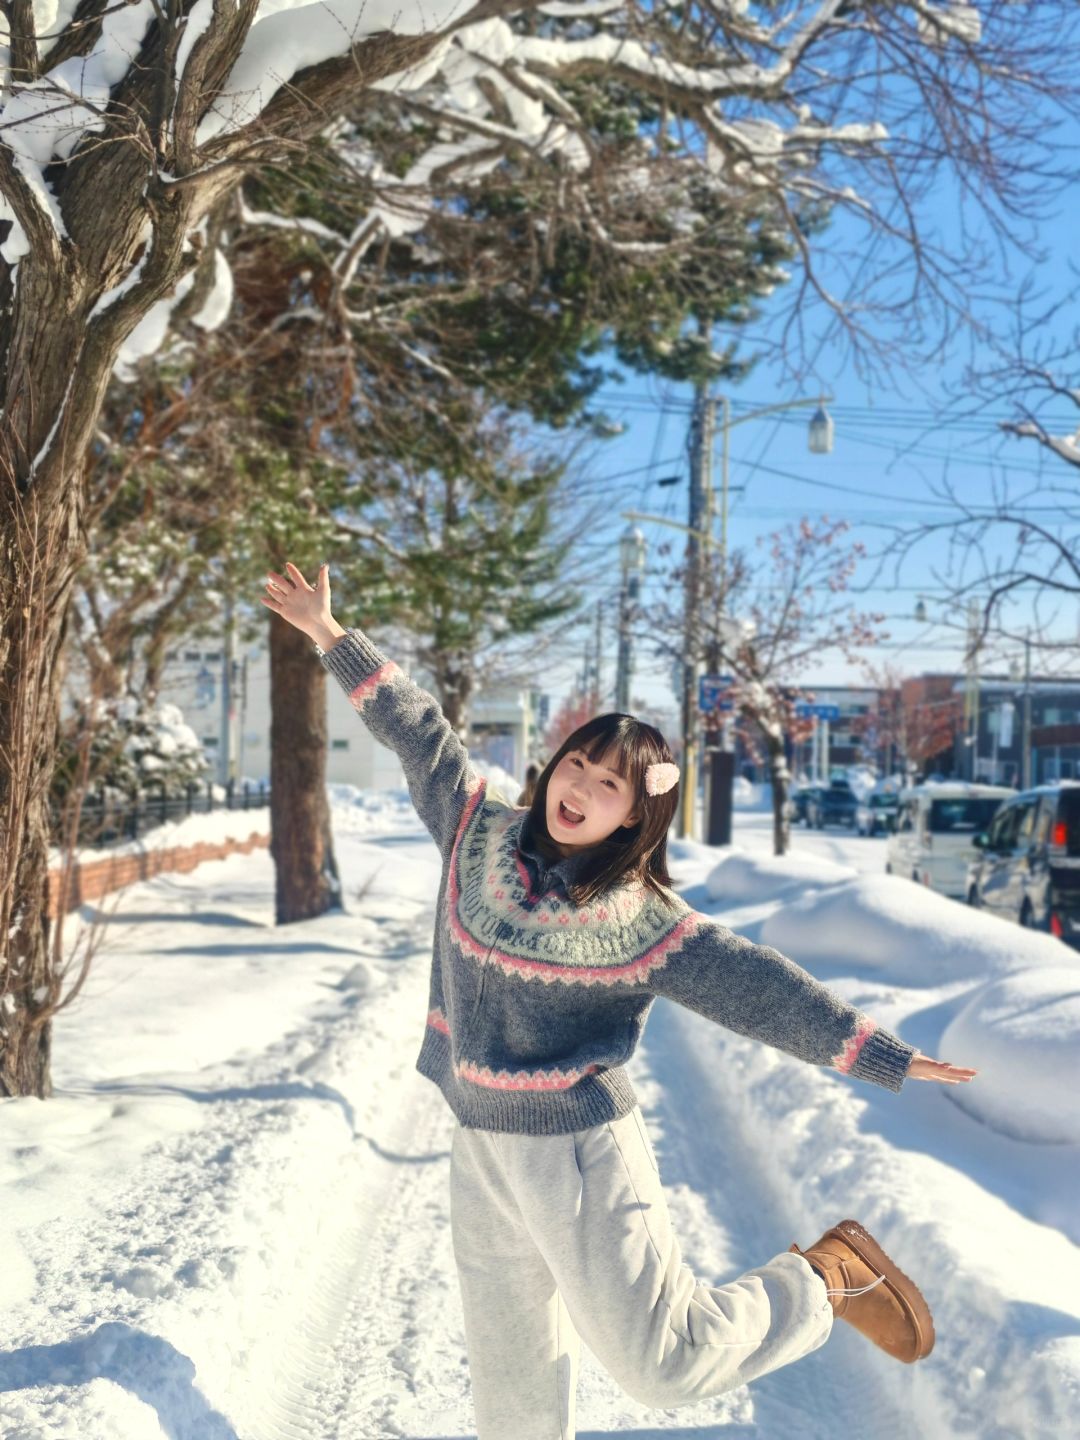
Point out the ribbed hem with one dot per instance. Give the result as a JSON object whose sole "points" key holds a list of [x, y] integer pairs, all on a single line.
{"points": [[352, 658], [883, 1060], [592, 1101]]}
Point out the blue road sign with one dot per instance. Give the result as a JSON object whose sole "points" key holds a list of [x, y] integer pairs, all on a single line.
{"points": [[823, 712], [711, 690]]}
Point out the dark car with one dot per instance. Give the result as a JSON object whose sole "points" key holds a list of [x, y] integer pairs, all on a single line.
{"points": [[832, 804], [1028, 868], [878, 812], [799, 801]]}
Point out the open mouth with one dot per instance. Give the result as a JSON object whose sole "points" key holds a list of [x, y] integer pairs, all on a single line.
{"points": [[569, 817]]}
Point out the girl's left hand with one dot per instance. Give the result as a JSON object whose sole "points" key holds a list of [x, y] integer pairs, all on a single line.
{"points": [[923, 1068]]}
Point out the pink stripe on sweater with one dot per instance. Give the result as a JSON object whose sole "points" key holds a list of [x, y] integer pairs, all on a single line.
{"points": [[850, 1053], [364, 691], [522, 1079]]}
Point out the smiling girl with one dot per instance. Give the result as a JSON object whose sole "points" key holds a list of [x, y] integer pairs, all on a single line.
{"points": [[556, 931]]}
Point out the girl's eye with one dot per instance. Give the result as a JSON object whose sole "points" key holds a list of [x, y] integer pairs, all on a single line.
{"points": [[575, 761]]}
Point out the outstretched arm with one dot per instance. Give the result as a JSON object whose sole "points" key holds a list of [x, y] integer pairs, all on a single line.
{"points": [[756, 991], [395, 709]]}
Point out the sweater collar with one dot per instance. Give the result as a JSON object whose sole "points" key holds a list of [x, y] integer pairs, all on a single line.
{"points": [[541, 850]]}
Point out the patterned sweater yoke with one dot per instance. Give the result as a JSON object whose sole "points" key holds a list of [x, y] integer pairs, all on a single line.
{"points": [[536, 1005]]}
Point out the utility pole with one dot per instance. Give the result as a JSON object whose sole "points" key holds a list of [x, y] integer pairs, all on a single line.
{"points": [[227, 732], [599, 653], [971, 689], [701, 444], [632, 550], [1026, 757]]}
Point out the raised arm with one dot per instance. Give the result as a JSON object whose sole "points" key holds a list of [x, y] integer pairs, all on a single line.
{"points": [[756, 991], [395, 709]]}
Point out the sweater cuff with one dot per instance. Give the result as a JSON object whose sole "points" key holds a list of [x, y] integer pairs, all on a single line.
{"points": [[352, 658], [883, 1060]]}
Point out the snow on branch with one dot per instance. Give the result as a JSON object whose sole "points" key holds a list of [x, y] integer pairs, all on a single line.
{"points": [[1066, 447], [758, 107]]}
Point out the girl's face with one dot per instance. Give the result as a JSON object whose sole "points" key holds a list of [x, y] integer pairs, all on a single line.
{"points": [[603, 797]]}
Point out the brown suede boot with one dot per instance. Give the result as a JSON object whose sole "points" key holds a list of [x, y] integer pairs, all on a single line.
{"points": [[871, 1293]]}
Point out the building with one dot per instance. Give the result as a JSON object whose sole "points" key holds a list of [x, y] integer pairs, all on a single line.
{"points": [[993, 750], [504, 730]]}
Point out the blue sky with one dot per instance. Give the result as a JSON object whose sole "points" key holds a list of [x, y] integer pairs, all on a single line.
{"points": [[896, 442]]}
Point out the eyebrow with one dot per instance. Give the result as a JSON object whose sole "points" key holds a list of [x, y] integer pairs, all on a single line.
{"points": [[615, 773]]}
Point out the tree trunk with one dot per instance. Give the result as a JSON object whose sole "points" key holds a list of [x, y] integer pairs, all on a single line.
{"points": [[301, 838], [454, 681], [36, 584], [25, 1026], [779, 776]]}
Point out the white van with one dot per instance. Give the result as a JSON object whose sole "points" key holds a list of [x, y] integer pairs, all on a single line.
{"points": [[934, 830]]}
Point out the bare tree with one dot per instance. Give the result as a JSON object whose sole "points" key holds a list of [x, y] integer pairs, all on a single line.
{"points": [[791, 606], [1014, 553], [917, 718]]}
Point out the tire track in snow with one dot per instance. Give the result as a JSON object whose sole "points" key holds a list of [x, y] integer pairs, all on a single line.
{"points": [[834, 1390], [325, 1353], [369, 1213]]}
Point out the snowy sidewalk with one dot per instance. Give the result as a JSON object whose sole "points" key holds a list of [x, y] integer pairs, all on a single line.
{"points": [[232, 1222]]}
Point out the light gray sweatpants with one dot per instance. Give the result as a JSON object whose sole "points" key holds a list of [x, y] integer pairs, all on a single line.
{"points": [[563, 1238]]}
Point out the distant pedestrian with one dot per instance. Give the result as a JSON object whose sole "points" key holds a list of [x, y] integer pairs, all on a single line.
{"points": [[558, 928], [532, 775]]}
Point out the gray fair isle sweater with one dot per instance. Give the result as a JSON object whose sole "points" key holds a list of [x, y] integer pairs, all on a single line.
{"points": [[536, 1006]]}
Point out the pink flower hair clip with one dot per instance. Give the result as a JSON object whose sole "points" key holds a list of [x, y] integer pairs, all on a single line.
{"points": [[660, 777]]}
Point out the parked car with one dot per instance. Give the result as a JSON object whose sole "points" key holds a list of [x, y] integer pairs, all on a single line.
{"points": [[798, 801], [1028, 865], [877, 812], [935, 829], [832, 804]]}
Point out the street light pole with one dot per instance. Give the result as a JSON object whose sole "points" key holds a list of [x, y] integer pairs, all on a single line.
{"points": [[632, 548], [820, 441], [701, 443]]}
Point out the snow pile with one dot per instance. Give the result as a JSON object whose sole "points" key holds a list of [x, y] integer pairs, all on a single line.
{"points": [[1023, 1036], [501, 783], [862, 780], [748, 796], [744, 879], [916, 936], [1001, 1286]]}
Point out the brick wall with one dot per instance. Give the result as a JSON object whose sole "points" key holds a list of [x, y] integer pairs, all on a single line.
{"points": [[98, 877]]}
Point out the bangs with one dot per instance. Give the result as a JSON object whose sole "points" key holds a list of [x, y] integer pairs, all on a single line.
{"points": [[607, 750]]}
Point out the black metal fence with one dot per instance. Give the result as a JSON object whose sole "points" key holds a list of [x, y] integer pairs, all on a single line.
{"points": [[106, 820]]}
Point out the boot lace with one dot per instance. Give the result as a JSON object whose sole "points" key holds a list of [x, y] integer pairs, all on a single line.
{"points": [[860, 1290]]}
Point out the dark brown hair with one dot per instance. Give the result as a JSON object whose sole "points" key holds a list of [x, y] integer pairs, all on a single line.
{"points": [[636, 852]]}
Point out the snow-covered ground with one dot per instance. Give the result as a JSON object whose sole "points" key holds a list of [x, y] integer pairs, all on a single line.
{"points": [[232, 1221]]}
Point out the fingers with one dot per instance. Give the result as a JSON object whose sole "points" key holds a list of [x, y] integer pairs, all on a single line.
{"points": [[283, 592], [924, 1068]]}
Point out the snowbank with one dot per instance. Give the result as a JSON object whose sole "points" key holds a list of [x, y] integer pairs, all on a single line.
{"points": [[1023, 1036], [918, 937], [744, 879], [1002, 1288], [745, 795], [500, 781]]}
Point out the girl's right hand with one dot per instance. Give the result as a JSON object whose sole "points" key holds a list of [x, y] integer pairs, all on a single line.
{"points": [[303, 605]]}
